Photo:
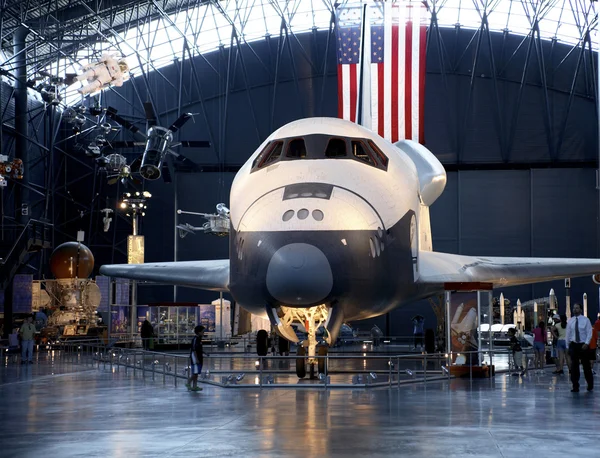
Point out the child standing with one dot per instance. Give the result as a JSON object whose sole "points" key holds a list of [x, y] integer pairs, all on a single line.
{"points": [[195, 359], [517, 351]]}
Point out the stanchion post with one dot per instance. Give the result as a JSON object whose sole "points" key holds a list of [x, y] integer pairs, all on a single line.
{"points": [[448, 334], [471, 366], [326, 367]]}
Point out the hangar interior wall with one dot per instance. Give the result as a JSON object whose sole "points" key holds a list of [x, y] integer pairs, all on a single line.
{"points": [[511, 103]]}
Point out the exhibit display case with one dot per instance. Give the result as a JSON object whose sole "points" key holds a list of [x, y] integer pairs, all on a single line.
{"points": [[174, 324]]}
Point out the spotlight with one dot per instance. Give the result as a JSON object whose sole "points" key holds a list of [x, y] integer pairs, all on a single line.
{"points": [[364, 346], [137, 193], [123, 205], [147, 194], [256, 363]]}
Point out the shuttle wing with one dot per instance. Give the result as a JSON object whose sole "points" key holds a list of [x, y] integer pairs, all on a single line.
{"points": [[211, 275], [439, 268]]}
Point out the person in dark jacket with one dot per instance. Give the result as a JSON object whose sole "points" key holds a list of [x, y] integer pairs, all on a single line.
{"points": [[147, 332], [196, 354], [517, 350]]}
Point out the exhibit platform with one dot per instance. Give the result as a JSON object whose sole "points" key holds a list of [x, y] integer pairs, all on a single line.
{"points": [[59, 408]]}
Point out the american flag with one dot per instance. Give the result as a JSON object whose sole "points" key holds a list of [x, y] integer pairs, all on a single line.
{"points": [[394, 69]]}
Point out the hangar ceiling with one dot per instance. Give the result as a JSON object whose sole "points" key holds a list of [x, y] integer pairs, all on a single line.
{"points": [[65, 34]]}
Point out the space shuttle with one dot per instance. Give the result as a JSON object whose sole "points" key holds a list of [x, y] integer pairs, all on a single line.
{"points": [[330, 223]]}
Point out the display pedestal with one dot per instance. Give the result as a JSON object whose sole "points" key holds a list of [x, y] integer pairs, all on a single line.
{"points": [[472, 371], [467, 305]]}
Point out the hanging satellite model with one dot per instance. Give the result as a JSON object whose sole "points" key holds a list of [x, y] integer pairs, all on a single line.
{"points": [[117, 169], [12, 169], [72, 298], [216, 224], [157, 159]]}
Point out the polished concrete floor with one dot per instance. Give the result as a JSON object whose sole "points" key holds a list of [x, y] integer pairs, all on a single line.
{"points": [[61, 409]]}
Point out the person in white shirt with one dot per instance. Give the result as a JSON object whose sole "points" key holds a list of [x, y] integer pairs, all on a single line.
{"points": [[579, 334]]}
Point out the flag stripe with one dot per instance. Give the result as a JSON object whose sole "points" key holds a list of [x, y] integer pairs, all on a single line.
{"points": [[380, 99], [408, 79], [387, 70], [401, 71], [340, 95], [353, 91], [416, 76], [423, 59], [395, 87], [374, 100], [346, 91]]}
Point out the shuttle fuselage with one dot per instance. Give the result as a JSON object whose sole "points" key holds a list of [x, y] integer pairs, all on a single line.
{"points": [[325, 212]]}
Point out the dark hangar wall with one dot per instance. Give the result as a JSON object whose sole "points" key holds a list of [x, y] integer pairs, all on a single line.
{"points": [[520, 143]]}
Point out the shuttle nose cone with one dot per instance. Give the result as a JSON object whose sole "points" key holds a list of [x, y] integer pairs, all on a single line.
{"points": [[299, 274]]}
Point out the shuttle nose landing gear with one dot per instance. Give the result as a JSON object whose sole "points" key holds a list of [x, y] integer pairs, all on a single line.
{"points": [[311, 318]]}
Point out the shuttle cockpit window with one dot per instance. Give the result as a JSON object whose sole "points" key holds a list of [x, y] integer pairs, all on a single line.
{"points": [[362, 153], [270, 153], [296, 149], [321, 146], [382, 158], [336, 147]]}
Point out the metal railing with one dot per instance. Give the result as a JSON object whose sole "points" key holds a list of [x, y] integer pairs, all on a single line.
{"points": [[250, 371]]}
